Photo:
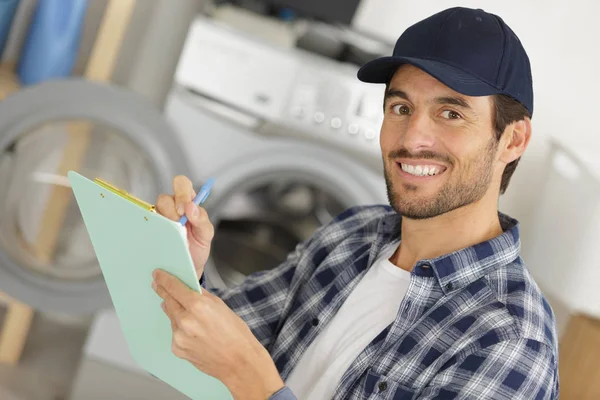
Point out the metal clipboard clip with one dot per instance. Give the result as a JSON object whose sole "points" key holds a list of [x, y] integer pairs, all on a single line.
{"points": [[125, 195]]}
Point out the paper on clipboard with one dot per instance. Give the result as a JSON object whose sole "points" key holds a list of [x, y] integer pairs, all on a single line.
{"points": [[130, 241]]}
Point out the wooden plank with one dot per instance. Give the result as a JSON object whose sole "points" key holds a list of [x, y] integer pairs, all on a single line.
{"points": [[108, 43], [15, 329], [17, 321], [99, 68], [60, 197], [579, 359]]}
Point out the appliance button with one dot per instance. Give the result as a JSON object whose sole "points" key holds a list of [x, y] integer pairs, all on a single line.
{"points": [[353, 129], [319, 117], [336, 123], [370, 134]]}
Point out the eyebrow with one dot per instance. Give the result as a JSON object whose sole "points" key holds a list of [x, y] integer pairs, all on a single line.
{"points": [[395, 93], [455, 101], [452, 100]]}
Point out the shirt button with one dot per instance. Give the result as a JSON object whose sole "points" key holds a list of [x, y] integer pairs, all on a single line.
{"points": [[315, 322], [382, 386], [449, 286]]}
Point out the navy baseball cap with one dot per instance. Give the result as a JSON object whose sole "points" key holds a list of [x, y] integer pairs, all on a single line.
{"points": [[469, 50]]}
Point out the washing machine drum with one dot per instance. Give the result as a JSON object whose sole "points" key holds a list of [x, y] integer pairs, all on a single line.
{"points": [[46, 257], [264, 220]]}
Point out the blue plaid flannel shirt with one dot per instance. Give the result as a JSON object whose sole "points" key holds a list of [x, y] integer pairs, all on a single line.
{"points": [[473, 325]]}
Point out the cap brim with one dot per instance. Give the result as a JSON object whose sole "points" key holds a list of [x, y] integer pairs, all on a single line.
{"points": [[382, 69]]}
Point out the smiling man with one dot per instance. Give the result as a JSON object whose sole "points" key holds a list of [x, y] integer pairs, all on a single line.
{"points": [[428, 298]]}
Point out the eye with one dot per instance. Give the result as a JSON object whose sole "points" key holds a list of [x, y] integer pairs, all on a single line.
{"points": [[449, 114], [401, 109]]}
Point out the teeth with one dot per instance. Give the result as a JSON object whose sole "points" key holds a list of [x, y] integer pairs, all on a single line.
{"points": [[420, 170]]}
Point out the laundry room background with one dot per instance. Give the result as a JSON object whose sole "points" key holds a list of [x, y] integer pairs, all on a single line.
{"points": [[263, 96]]}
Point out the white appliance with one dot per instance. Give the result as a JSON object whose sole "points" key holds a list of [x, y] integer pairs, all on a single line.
{"points": [[291, 139], [562, 251]]}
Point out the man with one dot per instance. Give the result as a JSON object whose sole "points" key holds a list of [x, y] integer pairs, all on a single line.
{"points": [[428, 298]]}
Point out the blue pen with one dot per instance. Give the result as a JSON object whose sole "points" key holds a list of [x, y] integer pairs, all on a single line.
{"points": [[200, 197]]}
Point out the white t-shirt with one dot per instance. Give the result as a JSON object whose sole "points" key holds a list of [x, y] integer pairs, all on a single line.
{"points": [[370, 308]]}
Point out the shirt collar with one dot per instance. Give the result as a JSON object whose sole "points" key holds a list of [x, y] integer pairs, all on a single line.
{"points": [[459, 269]]}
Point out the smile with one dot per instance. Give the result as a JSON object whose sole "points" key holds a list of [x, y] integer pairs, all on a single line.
{"points": [[421, 170]]}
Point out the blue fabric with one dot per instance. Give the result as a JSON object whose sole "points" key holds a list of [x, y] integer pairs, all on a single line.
{"points": [[473, 324], [283, 394], [52, 43]]}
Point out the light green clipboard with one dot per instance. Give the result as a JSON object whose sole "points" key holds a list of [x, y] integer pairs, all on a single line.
{"points": [[131, 241]]}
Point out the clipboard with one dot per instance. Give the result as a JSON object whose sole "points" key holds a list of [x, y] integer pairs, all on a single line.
{"points": [[130, 241]]}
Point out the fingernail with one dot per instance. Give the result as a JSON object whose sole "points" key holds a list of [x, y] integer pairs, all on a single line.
{"points": [[154, 285], [180, 209], [154, 273], [195, 212]]}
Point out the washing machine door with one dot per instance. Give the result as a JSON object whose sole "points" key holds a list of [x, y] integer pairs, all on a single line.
{"points": [[46, 257], [271, 200]]}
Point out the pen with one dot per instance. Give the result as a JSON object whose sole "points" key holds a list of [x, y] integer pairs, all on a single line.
{"points": [[200, 197]]}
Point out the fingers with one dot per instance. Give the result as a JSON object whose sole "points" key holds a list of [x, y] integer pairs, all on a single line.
{"points": [[173, 206], [169, 314], [170, 306], [167, 285], [180, 337], [165, 205], [183, 192], [184, 325], [202, 229]]}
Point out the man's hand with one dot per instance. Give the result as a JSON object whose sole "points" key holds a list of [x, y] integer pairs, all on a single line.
{"points": [[200, 230], [215, 340]]}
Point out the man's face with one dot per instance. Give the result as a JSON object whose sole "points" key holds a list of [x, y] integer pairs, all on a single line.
{"points": [[438, 146]]}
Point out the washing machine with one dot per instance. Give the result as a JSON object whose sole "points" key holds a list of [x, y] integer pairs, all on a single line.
{"points": [[46, 257], [291, 140]]}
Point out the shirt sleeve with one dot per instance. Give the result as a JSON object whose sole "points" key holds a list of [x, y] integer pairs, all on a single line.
{"points": [[284, 393], [513, 369]]}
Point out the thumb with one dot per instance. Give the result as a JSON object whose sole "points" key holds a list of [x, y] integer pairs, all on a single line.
{"points": [[202, 230]]}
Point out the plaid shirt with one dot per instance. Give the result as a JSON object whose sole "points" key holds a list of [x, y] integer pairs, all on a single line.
{"points": [[473, 324]]}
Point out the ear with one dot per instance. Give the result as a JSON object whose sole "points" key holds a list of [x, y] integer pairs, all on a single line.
{"points": [[515, 140]]}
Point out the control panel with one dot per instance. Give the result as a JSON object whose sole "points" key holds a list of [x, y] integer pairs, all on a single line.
{"points": [[334, 106], [294, 92]]}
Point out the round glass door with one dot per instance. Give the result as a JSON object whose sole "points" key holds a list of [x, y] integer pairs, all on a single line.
{"points": [[266, 205], [40, 226], [46, 257], [264, 223]]}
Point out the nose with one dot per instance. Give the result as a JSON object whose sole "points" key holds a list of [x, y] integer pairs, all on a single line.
{"points": [[419, 133]]}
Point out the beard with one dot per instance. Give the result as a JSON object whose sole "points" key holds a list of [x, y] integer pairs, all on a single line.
{"points": [[466, 188]]}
